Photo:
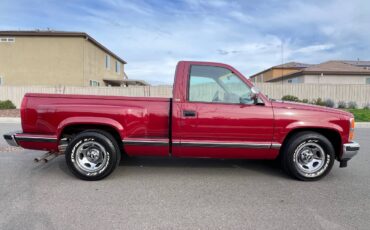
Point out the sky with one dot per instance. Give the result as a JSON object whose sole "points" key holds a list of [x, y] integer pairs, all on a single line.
{"points": [[251, 35]]}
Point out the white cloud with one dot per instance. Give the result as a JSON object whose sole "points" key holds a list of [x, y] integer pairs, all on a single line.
{"points": [[242, 17], [153, 35], [315, 48]]}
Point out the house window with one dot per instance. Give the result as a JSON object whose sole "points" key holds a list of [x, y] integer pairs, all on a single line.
{"points": [[94, 83], [6, 39], [294, 80], [368, 81], [118, 67], [107, 61]]}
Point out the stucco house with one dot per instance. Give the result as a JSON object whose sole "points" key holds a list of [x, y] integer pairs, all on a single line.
{"points": [[53, 58], [330, 72]]}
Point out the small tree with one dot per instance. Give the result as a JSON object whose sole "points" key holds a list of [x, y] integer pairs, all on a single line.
{"points": [[329, 103], [290, 98], [342, 105], [7, 105], [352, 105], [319, 101], [305, 101]]}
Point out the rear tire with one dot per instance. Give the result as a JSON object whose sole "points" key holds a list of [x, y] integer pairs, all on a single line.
{"points": [[308, 156], [92, 155]]}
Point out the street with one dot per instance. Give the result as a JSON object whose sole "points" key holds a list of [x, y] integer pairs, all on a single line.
{"points": [[152, 193]]}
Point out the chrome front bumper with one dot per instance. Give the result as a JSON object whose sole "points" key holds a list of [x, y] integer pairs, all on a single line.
{"points": [[10, 138], [350, 150]]}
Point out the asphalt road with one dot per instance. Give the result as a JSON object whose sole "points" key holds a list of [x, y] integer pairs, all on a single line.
{"points": [[181, 194]]}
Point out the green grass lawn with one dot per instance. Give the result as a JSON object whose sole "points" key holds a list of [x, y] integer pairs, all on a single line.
{"points": [[361, 115]]}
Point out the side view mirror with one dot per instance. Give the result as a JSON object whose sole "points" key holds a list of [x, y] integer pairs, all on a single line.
{"points": [[251, 98], [254, 97]]}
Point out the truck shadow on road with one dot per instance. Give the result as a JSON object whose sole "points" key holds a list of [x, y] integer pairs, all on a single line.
{"points": [[159, 166], [257, 166]]}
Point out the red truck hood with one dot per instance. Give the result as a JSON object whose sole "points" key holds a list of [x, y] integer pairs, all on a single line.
{"points": [[303, 106]]}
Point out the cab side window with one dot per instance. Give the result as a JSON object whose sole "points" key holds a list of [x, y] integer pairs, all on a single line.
{"points": [[217, 85]]}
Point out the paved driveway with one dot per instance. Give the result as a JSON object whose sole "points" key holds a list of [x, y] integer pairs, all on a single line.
{"points": [[181, 194]]}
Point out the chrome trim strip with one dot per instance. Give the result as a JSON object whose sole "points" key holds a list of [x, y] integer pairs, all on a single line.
{"points": [[36, 139], [275, 145], [228, 145], [225, 145], [163, 142], [146, 142], [13, 139]]}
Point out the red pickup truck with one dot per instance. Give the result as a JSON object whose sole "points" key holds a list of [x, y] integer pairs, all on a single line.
{"points": [[215, 112]]}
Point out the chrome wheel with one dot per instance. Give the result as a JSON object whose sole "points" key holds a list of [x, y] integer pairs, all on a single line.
{"points": [[309, 157], [91, 157]]}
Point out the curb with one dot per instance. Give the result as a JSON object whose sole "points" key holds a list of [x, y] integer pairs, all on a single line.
{"points": [[10, 120]]}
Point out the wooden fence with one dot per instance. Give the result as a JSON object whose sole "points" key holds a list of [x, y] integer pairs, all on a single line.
{"points": [[358, 93]]}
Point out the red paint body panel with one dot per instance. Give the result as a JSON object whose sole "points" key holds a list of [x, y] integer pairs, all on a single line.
{"points": [[131, 117], [217, 131]]}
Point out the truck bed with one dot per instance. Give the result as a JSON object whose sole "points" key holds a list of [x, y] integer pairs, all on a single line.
{"points": [[137, 118]]}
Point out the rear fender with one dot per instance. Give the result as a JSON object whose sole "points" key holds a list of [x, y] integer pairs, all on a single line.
{"points": [[90, 121]]}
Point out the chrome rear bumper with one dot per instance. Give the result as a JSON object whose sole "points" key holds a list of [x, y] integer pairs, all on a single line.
{"points": [[10, 138]]}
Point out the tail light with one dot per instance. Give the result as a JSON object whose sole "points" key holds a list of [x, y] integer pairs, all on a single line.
{"points": [[351, 129], [23, 108]]}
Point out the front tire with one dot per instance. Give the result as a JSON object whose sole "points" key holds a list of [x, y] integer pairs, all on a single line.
{"points": [[308, 156], [92, 155]]}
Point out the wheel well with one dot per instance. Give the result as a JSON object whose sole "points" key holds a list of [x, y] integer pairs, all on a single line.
{"points": [[72, 130], [332, 135]]}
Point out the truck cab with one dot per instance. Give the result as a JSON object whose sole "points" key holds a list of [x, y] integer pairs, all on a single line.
{"points": [[216, 109]]}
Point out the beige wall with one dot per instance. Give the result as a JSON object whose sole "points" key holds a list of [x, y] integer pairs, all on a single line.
{"points": [[358, 93], [42, 61], [94, 65], [53, 61], [327, 79], [272, 73], [335, 79], [281, 72]]}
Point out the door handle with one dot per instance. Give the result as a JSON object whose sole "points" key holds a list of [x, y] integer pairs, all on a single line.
{"points": [[189, 113]]}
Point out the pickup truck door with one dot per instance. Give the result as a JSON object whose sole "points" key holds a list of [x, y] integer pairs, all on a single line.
{"points": [[218, 118]]}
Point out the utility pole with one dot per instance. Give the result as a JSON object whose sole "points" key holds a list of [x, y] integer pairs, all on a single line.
{"points": [[282, 66]]}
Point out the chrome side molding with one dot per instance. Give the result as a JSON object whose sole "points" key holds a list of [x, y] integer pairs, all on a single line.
{"points": [[163, 142]]}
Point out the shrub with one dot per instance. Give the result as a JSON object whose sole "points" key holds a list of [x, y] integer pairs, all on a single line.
{"points": [[342, 105], [329, 103], [318, 101], [290, 98], [305, 101], [352, 105], [367, 106], [7, 105]]}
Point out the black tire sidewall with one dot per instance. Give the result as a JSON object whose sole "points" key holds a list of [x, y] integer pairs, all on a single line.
{"points": [[103, 139], [294, 145]]}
